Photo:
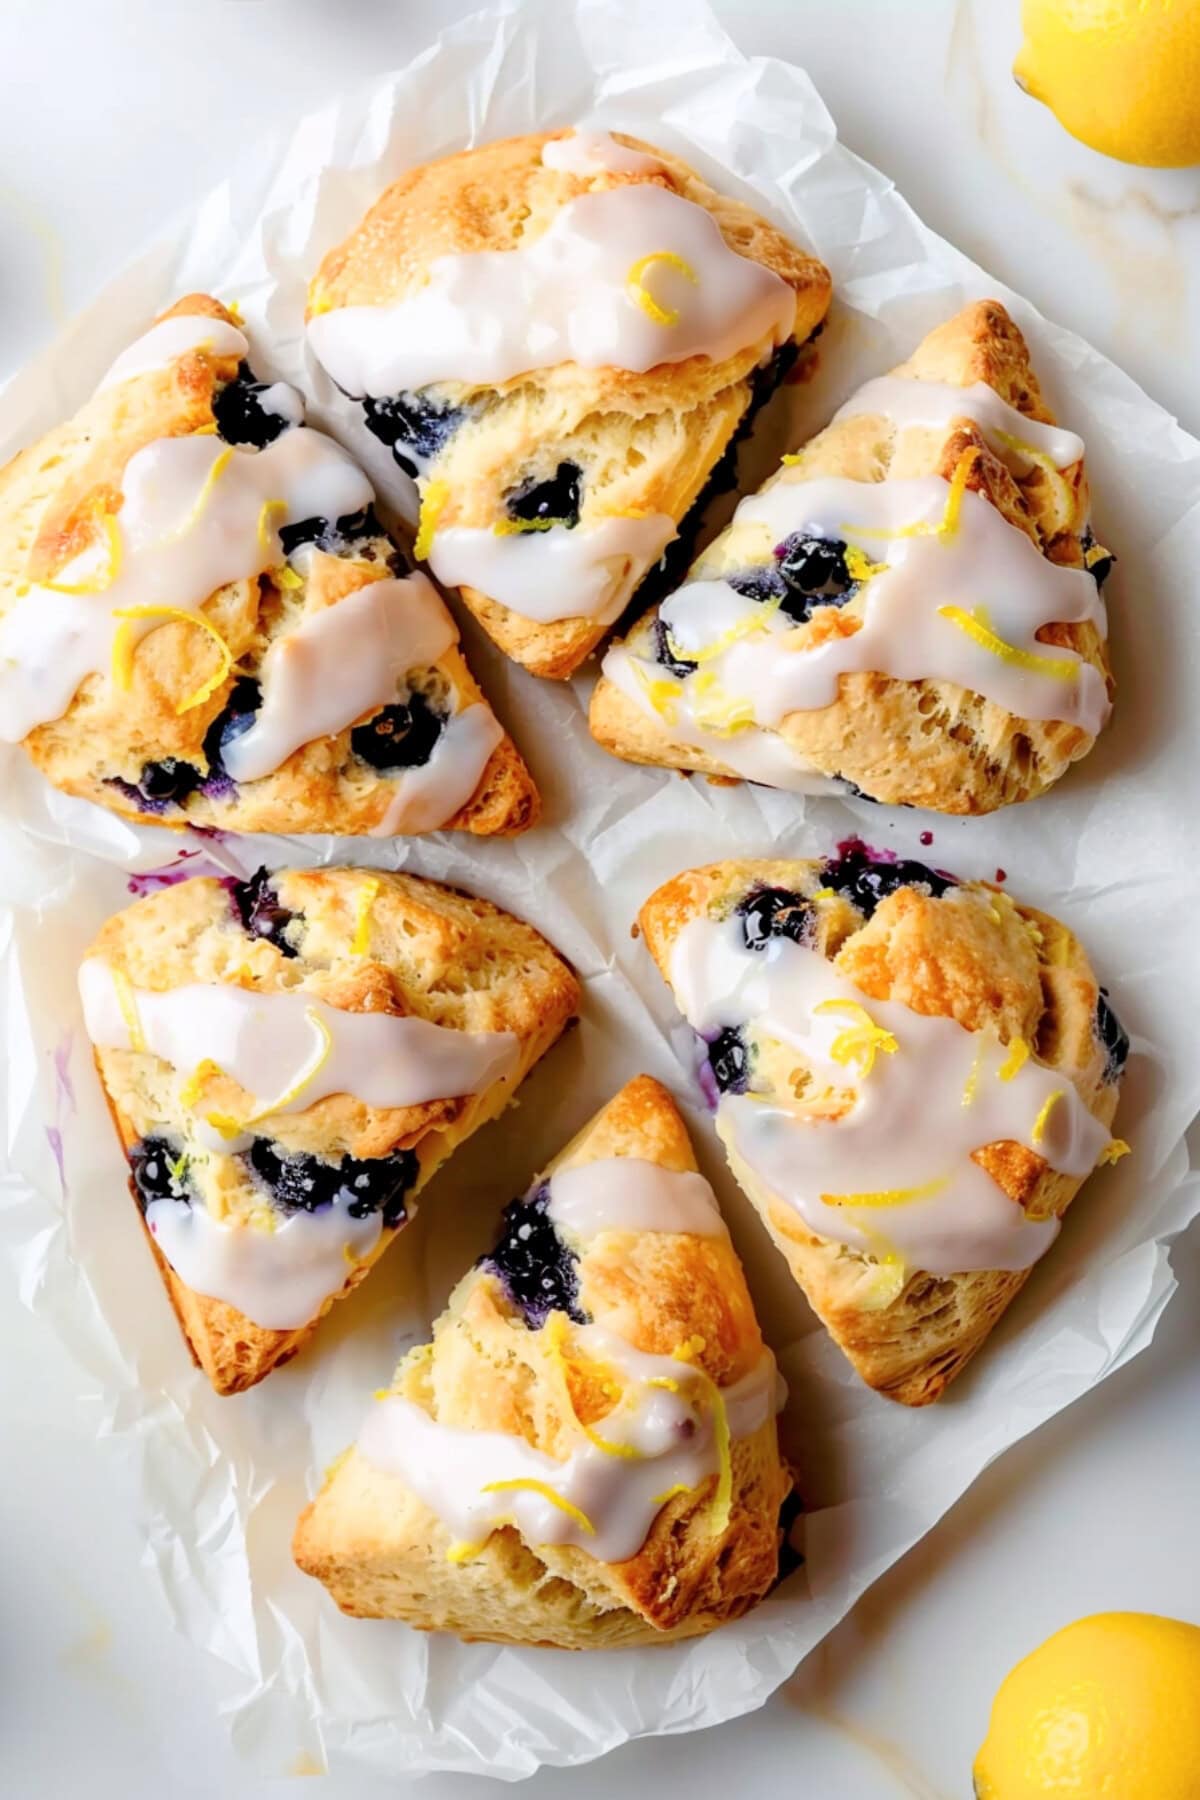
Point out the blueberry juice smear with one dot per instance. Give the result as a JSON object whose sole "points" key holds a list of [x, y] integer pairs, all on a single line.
{"points": [[300, 1183], [399, 737], [537, 1271], [865, 876], [261, 911]]}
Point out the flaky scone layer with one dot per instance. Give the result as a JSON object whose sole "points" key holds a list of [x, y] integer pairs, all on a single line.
{"points": [[383, 1553], [973, 955]]}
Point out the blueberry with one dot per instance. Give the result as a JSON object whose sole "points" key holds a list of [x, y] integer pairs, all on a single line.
{"points": [[815, 574], [762, 583], [158, 1170], [166, 783], [678, 665], [774, 912], [1112, 1035], [866, 877], [300, 1183], [332, 535], [262, 913], [399, 737], [538, 1272], [729, 1060], [409, 423], [241, 418], [556, 498], [1102, 567]]}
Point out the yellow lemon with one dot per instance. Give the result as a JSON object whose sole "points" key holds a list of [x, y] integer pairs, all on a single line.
{"points": [[1107, 1709], [1123, 75]]}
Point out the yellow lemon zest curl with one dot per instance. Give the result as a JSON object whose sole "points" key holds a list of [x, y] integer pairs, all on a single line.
{"points": [[1038, 1131], [128, 1009], [364, 901], [527, 1483], [1014, 1062], [464, 1552], [888, 1196], [1113, 1151], [1061, 668], [641, 295], [861, 1041], [744, 627], [946, 526], [717, 710], [678, 1487], [971, 1084], [434, 496], [189, 1093], [308, 1073], [265, 513], [125, 642], [518, 527]]}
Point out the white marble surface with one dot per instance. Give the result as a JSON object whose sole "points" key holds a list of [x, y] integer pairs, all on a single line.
{"points": [[115, 113]]}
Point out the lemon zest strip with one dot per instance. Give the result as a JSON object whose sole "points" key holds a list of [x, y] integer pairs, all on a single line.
{"points": [[265, 511], [286, 577], [1113, 1151], [464, 1552], [543, 1488], [744, 627], [888, 1196], [434, 496], [360, 943], [225, 1123], [662, 692], [1014, 1062], [129, 1011], [946, 526], [1059, 667], [189, 1093], [971, 1084], [220, 464], [518, 527], [679, 1487], [124, 644], [638, 292], [1039, 1124], [789, 461], [307, 1074], [860, 1042]]}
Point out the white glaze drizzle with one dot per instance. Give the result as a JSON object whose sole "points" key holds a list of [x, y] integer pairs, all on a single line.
{"points": [[265, 1042], [426, 797], [486, 316], [627, 1193], [278, 1277], [915, 1117], [585, 571], [1010, 433], [337, 664], [985, 564], [597, 153], [172, 338], [179, 540], [448, 1468]]}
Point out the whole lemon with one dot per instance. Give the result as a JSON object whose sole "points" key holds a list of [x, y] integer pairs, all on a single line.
{"points": [[1107, 1709], [1123, 75]]}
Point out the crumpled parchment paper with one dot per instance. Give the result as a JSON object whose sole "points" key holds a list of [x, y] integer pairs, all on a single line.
{"points": [[1114, 850]]}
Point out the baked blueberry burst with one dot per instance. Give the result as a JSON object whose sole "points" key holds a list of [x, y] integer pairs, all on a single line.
{"points": [[242, 418], [159, 1170], [537, 1271], [867, 876], [414, 427], [539, 503], [296, 1182], [261, 911], [401, 736]]}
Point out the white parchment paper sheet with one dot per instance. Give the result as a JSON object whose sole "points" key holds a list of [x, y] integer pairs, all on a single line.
{"points": [[1114, 850]]}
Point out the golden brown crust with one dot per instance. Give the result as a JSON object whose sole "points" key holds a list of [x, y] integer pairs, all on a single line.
{"points": [[433, 952], [646, 441], [976, 956], [382, 1553], [49, 498], [918, 743]]}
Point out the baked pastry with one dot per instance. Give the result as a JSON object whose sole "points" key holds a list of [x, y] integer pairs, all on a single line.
{"points": [[561, 336], [909, 608], [288, 1060], [202, 620], [585, 1455], [912, 1077]]}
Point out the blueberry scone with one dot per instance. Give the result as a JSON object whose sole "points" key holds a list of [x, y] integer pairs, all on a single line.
{"points": [[585, 1455], [911, 606], [288, 1060], [202, 620], [561, 336], [912, 1077]]}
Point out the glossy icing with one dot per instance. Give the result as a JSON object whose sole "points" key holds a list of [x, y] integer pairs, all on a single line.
{"points": [[671, 1432], [1010, 433], [278, 1277], [271, 1044], [195, 515], [427, 796], [486, 316], [915, 1115], [597, 153], [172, 338], [338, 664], [586, 571], [627, 1193]]}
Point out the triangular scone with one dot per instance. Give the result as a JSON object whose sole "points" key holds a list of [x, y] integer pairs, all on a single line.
{"points": [[202, 620], [288, 1060], [910, 607], [912, 1077], [604, 1365], [562, 336]]}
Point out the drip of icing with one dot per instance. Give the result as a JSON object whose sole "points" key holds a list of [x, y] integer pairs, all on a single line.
{"points": [[626, 1193], [985, 571], [671, 1432], [337, 664], [913, 1120], [585, 572], [278, 1277], [597, 153], [265, 1042], [283, 401], [427, 796], [194, 516], [172, 338], [1010, 433], [486, 316]]}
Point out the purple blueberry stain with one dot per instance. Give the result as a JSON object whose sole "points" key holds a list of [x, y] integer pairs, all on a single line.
{"points": [[55, 1140]]}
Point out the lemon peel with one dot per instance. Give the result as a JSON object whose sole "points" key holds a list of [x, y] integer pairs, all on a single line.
{"points": [[265, 512], [790, 460], [971, 1084], [859, 566], [434, 496], [103, 578], [1060, 668], [307, 1075], [464, 1552], [662, 692], [125, 643], [747, 626], [888, 1196], [861, 1041], [364, 901], [1113, 1151], [718, 711], [1038, 1131], [189, 1093], [284, 576], [219, 466], [528, 1484], [128, 1008], [1014, 1062], [946, 526], [641, 295], [518, 527]]}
